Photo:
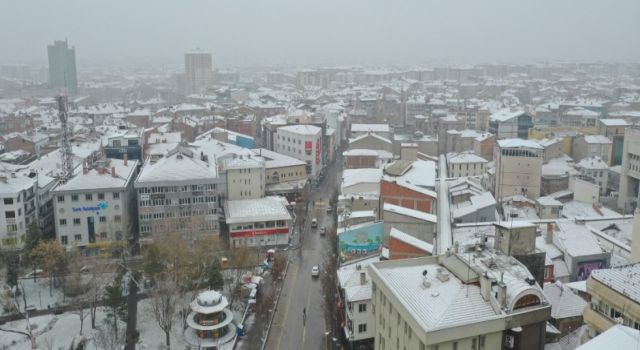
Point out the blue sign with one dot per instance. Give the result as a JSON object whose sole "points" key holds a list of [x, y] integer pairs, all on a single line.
{"points": [[100, 206]]}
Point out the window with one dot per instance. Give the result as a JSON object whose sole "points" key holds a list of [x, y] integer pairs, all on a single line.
{"points": [[88, 197], [362, 307], [74, 197], [11, 214], [116, 195], [8, 201], [117, 218], [455, 345], [76, 222], [63, 222], [362, 328], [103, 219], [64, 240], [103, 235], [100, 196], [77, 238]]}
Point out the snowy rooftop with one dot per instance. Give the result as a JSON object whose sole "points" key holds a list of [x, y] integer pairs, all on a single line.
{"points": [[623, 280], [410, 212], [13, 185], [276, 160], [443, 304], [358, 128], [614, 122], [243, 163], [301, 129], [593, 163], [564, 303], [177, 167], [616, 337], [102, 177], [505, 115], [463, 158], [518, 143], [597, 139], [575, 239], [421, 173], [352, 177], [349, 279], [376, 136], [254, 210], [411, 240]]}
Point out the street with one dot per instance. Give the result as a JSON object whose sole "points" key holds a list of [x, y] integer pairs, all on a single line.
{"points": [[300, 290]]}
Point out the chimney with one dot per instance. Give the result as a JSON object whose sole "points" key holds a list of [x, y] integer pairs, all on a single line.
{"points": [[635, 237], [126, 158], [84, 168], [501, 295], [113, 172], [485, 287], [363, 278], [549, 237]]}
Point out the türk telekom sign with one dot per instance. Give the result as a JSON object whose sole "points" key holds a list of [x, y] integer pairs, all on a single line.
{"points": [[308, 146]]}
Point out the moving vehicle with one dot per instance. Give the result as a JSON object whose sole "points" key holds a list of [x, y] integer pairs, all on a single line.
{"points": [[315, 271], [323, 230], [314, 223], [329, 208]]}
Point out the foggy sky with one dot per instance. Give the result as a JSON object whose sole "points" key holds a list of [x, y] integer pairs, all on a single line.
{"points": [[331, 32]]}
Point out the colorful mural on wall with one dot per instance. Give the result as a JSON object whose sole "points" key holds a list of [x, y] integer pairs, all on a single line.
{"points": [[361, 240]]}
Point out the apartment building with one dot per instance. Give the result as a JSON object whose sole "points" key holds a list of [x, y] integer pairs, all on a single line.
{"points": [[303, 142], [630, 171], [460, 300], [465, 164], [96, 208], [179, 194], [18, 209], [510, 123], [245, 177]]}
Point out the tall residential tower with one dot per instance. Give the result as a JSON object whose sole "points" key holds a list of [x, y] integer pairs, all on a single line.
{"points": [[198, 69], [62, 67]]}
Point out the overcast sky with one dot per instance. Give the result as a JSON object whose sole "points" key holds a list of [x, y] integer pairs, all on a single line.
{"points": [[331, 32]]}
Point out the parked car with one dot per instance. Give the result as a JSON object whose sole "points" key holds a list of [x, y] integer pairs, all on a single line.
{"points": [[34, 273], [315, 271]]}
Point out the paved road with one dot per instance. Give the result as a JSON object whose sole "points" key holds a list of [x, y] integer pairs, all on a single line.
{"points": [[300, 290]]}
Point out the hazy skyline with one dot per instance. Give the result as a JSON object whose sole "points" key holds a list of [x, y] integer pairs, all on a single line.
{"points": [[287, 32]]}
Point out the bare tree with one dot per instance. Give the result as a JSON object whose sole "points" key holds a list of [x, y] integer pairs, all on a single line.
{"points": [[163, 305], [28, 332], [99, 278], [278, 266], [106, 339], [240, 259]]}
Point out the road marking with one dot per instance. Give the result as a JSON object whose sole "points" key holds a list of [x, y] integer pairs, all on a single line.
{"points": [[286, 310], [304, 327]]}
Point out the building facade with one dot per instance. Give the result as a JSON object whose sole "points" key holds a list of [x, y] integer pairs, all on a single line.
{"points": [[62, 67], [518, 168], [198, 67], [303, 142]]}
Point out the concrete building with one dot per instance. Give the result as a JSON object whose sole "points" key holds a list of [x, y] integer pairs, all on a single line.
{"points": [[198, 69], [62, 67], [19, 209], [509, 124], [245, 177], [465, 164], [258, 222], [592, 145], [416, 223], [284, 175], [455, 301], [615, 299], [354, 305], [179, 194], [596, 169], [518, 168], [630, 171], [303, 142], [614, 130], [96, 209], [405, 246]]}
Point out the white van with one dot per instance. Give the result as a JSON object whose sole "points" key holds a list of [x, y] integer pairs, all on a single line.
{"points": [[314, 223]]}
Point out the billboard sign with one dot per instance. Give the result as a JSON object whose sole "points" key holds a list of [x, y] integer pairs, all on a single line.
{"points": [[361, 240]]}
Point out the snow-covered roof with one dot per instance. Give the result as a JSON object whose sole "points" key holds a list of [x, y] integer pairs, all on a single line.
{"points": [[505, 115], [376, 136], [464, 158], [411, 240], [255, 210], [276, 160], [102, 177], [410, 212], [593, 163], [575, 239], [597, 139], [518, 143], [177, 167], [349, 279], [548, 201], [357, 128], [614, 122], [616, 337], [352, 177], [301, 129], [623, 280], [564, 303]]}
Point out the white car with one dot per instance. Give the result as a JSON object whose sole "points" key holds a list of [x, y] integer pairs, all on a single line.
{"points": [[315, 271]]}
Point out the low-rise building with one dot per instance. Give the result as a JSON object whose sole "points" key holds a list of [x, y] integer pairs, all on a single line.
{"points": [[413, 222], [465, 164], [258, 222], [19, 209], [245, 177]]}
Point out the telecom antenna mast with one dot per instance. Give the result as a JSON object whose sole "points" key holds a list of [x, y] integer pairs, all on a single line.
{"points": [[67, 155]]}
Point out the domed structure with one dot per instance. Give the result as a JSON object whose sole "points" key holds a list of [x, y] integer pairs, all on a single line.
{"points": [[210, 322]]}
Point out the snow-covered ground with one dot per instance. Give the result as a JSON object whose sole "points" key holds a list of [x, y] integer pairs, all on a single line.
{"points": [[55, 331]]}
